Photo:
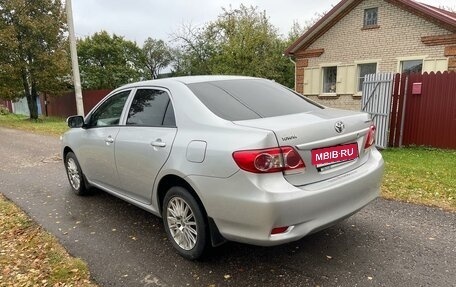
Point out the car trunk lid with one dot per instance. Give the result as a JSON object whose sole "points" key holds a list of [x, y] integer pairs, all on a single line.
{"points": [[314, 133]]}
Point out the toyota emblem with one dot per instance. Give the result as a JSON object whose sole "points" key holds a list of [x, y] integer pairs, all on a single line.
{"points": [[339, 126]]}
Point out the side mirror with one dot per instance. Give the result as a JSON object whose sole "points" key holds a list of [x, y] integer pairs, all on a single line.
{"points": [[75, 121]]}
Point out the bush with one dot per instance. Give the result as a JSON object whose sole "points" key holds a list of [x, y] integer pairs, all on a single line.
{"points": [[4, 110]]}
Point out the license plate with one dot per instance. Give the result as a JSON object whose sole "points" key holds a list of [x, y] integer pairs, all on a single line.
{"points": [[334, 154]]}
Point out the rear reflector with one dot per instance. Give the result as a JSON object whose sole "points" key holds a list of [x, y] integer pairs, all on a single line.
{"points": [[269, 160], [279, 230]]}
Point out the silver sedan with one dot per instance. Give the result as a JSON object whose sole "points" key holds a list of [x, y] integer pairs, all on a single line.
{"points": [[225, 158]]}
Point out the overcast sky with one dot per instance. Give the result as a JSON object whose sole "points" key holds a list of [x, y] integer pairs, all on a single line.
{"points": [[138, 19]]}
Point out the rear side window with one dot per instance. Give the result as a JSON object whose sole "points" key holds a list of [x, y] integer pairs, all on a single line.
{"points": [[221, 102], [246, 99], [151, 108]]}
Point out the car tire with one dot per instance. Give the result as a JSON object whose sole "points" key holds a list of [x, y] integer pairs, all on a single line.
{"points": [[185, 223], [74, 174]]}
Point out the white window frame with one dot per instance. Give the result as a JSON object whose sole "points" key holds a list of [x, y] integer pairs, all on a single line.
{"points": [[362, 62], [410, 58], [322, 80]]}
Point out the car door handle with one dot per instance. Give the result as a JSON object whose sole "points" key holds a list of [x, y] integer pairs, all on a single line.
{"points": [[158, 143], [109, 140]]}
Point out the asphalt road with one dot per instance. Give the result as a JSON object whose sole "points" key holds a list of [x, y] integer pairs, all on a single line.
{"points": [[386, 244]]}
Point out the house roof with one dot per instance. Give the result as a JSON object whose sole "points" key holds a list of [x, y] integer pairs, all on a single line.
{"points": [[440, 17]]}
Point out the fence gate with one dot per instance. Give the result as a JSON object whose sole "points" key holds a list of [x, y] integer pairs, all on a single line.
{"points": [[376, 100]]}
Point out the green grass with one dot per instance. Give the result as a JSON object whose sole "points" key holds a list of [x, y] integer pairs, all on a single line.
{"points": [[44, 125], [421, 175]]}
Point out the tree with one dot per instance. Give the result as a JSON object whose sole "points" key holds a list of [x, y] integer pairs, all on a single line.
{"points": [[241, 41], [156, 56], [33, 56], [194, 52], [297, 30], [451, 9], [107, 62], [178, 62], [248, 43]]}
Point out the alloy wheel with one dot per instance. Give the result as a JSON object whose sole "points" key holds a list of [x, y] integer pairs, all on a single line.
{"points": [[73, 174], [182, 223]]}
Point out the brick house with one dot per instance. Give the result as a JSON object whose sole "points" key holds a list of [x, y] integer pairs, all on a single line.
{"points": [[359, 37]]}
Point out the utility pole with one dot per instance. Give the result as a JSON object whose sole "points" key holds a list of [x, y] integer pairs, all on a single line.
{"points": [[74, 59]]}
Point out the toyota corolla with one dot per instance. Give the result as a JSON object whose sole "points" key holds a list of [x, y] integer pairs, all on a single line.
{"points": [[225, 158]]}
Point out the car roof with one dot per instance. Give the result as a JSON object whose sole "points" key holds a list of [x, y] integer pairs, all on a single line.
{"points": [[186, 80]]}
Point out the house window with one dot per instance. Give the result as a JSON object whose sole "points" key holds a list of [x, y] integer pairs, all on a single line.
{"points": [[412, 66], [365, 69], [370, 17], [329, 79]]}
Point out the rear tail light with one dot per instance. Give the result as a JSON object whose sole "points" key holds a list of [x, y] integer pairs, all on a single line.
{"points": [[283, 159], [370, 138]]}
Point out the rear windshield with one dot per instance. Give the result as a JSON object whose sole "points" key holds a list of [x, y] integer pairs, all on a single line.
{"points": [[247, 99]]}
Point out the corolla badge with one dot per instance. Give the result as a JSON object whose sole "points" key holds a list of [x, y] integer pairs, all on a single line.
{"points": [[292, 137], [339, 126]]}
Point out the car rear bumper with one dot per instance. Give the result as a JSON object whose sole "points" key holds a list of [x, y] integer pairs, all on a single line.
{"points": [[246, 207]]}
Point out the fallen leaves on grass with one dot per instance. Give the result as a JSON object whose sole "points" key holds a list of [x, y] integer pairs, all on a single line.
{"points": [[29, 256]]}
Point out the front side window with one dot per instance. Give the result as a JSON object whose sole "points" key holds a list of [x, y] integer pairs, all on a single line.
{"points": [[363, 70], [412, 66], [329, 79], [151, 108], [109, 112], [370, 17]]}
